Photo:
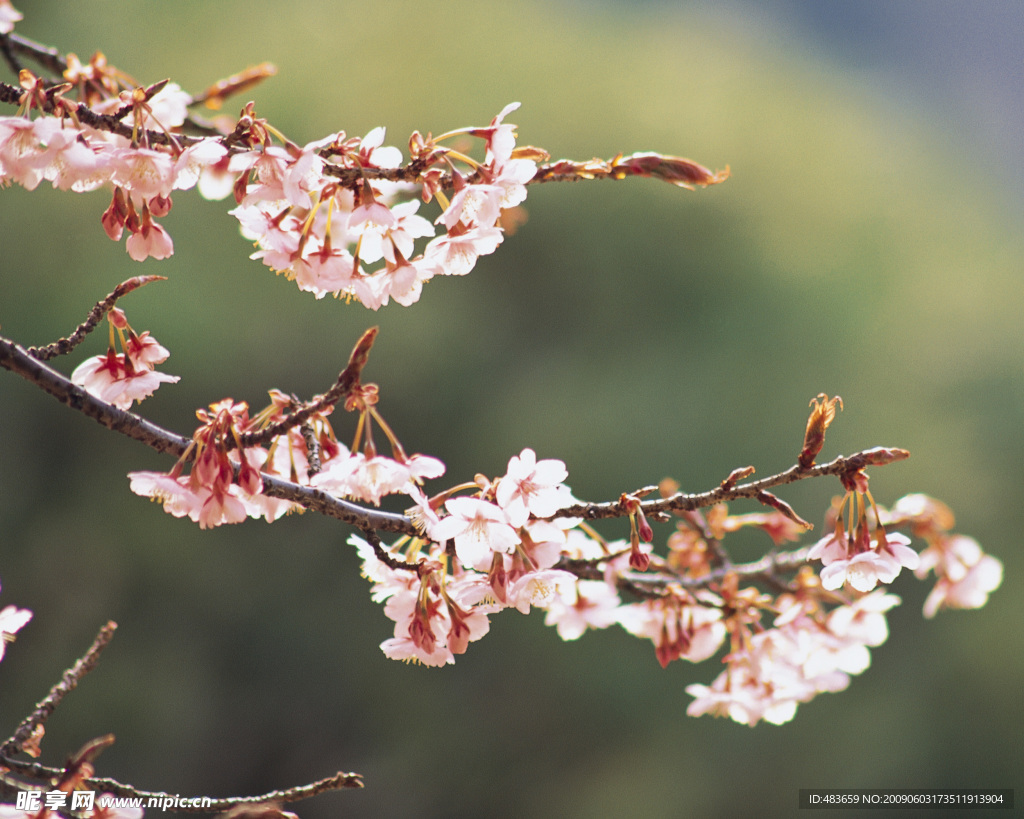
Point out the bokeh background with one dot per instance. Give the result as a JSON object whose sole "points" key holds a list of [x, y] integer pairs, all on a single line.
{"points": [[868, 244]]}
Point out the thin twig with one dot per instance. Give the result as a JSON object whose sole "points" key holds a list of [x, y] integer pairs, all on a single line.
{"points": [[383, 556], [67, 684], [46, 56], [346, 381], [66, 345], [682, 502], [175, 802]]}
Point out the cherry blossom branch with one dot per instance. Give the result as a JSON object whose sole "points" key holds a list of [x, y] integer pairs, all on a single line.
{"points": [[651, 584], [675, 170], [756, 490], [15, 358], [18, 360], [67, 684]]}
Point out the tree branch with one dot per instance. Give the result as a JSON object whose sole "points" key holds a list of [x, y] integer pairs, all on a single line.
{"points": [[756, 490], [102, 784], [15, 358]]}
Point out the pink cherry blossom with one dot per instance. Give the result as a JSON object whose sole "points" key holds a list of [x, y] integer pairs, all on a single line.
{"points": [[373, 155], [863, 570], [422, 624], [966, 576], [582, 605], [12, 620], [8, 17], [109, 379], [532, 487], [151, 240], [500, 137], [181, 498], [512, 177], [169, 105], [456, 253], [369, 479], [24, 151], [386, 581], [177, 497], [742, 696], [476, 205], [539, 589], [328, 270], [142, 173], [863, 620], [196, 160], [479, 529], [679, 628], [74, 165]]}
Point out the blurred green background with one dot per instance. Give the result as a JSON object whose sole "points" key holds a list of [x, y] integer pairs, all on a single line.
{"points": [[632, 329]]}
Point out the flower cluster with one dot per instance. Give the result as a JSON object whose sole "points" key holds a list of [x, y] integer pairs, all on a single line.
{"points": [[501, 552], [505, 543], [72, 155], [965, 575], [324, 235], [123, 378], [336, 215], [340, 216], [771, 671], [223, 484]]}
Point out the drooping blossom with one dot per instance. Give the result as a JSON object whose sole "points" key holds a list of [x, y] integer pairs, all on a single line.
{"points": [[585, 604], [965, 574], [863, 570], [678, 625]]}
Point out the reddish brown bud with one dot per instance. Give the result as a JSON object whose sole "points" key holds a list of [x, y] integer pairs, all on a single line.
{"points": [[880, 455], [215, 95], [674, 169], [736, 476], [823, 412], [768, 499], [349, 377], [530, 152]]}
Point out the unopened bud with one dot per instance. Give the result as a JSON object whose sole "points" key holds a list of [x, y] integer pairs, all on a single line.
{"points": [[822, 414]]}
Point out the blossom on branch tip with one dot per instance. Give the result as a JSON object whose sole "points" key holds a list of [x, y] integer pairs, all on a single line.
{"points": [[8, 16], [12, 620]]}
